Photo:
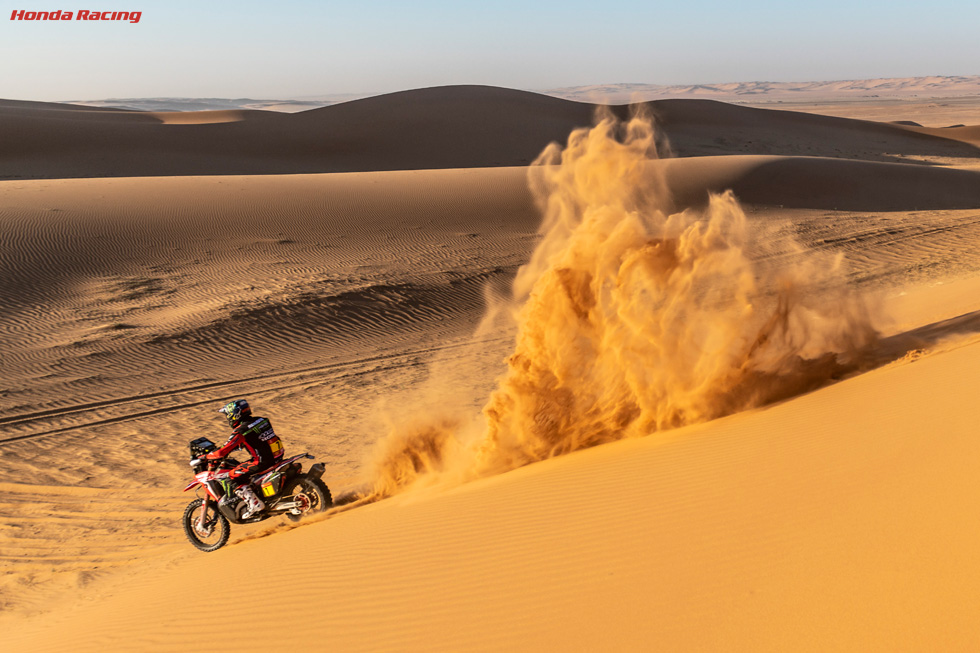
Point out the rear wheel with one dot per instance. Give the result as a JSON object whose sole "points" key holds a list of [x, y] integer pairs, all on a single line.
{"points": [[312, 493], [213, 534]]}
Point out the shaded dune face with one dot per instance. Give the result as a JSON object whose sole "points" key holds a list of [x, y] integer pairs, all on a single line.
{"points": [[445, 127], [705, 127], [821, 183]]}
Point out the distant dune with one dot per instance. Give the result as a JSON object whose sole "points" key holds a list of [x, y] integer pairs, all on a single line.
{"points": [[880, 89], [936, 101], [895, 87], [445, 127], [822, 183], [204, 104], [451, 127]]}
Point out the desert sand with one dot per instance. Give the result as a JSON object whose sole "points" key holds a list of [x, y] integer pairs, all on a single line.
{"points": [[886, 88], [932, 101], [336, 267]]}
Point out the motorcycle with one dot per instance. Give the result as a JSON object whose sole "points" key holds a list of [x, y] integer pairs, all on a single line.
{"points": [[285, 489]]}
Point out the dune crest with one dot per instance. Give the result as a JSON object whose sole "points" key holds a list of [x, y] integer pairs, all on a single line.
{"points": [[632, 320], [421, 129]]}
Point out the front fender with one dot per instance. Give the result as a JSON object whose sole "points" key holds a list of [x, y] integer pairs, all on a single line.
{"points": [[193, 484]]}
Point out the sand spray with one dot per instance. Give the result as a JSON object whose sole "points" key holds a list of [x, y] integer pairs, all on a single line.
{"points": [[632, 319]]}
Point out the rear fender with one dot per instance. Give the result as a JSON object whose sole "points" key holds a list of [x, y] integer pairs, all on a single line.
{"points": [[288, 466], [291, 460]]}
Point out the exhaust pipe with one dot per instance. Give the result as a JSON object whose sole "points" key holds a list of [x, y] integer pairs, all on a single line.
{"points": [[316, 471]]}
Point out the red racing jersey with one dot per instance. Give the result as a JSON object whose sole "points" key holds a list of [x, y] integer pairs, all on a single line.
{"points": [[257, 438]]}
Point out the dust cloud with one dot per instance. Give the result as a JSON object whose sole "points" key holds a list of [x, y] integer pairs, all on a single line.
{"points": [[632, 319]]}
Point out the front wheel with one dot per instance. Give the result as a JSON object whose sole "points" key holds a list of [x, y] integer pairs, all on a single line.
{"points": [[311, 492], [213, 534]]}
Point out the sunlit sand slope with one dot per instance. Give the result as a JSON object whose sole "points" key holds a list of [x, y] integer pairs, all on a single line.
{"points": [[845, 520], [133, 305]]}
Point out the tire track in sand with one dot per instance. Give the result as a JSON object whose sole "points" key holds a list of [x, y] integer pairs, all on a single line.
{"points": [[94, 411]]}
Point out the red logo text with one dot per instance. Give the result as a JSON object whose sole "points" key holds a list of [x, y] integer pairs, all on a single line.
{"points": [[82, 14]]}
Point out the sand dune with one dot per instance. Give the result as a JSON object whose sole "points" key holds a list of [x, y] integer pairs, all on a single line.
{"points": [[172, 275], [841, 520], [122, 284], [938, 113], [435, 128], [202, 117], [962, 133], [111, 280], [44, 114], [184, 105], [823, 183], [906, 91], [71, 533], [446, 127], [29, 105], [334, 295], [814, 91], [704, 127]]}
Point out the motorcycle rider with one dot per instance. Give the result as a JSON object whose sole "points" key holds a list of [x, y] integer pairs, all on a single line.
{"points": [[254, 435]]}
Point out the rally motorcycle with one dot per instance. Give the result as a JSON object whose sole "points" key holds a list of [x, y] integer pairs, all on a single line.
{"points": [[284, 489]]}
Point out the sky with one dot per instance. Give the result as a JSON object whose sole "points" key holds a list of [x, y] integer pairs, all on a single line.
{"points": [[291, 49]]}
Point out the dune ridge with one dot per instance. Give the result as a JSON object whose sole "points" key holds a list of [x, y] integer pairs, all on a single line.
{"points": [[822, 183], [421, 129], [900, 89], [811, 91]]}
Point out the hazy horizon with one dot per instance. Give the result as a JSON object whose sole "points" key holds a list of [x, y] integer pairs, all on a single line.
{"points": [[336, 97], [300, 49]]}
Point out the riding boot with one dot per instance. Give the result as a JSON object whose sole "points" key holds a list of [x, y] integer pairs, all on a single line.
{"points": [[254, 502]]}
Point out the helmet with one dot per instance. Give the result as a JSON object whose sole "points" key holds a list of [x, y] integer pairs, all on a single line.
{"points": [[236, 411]]}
